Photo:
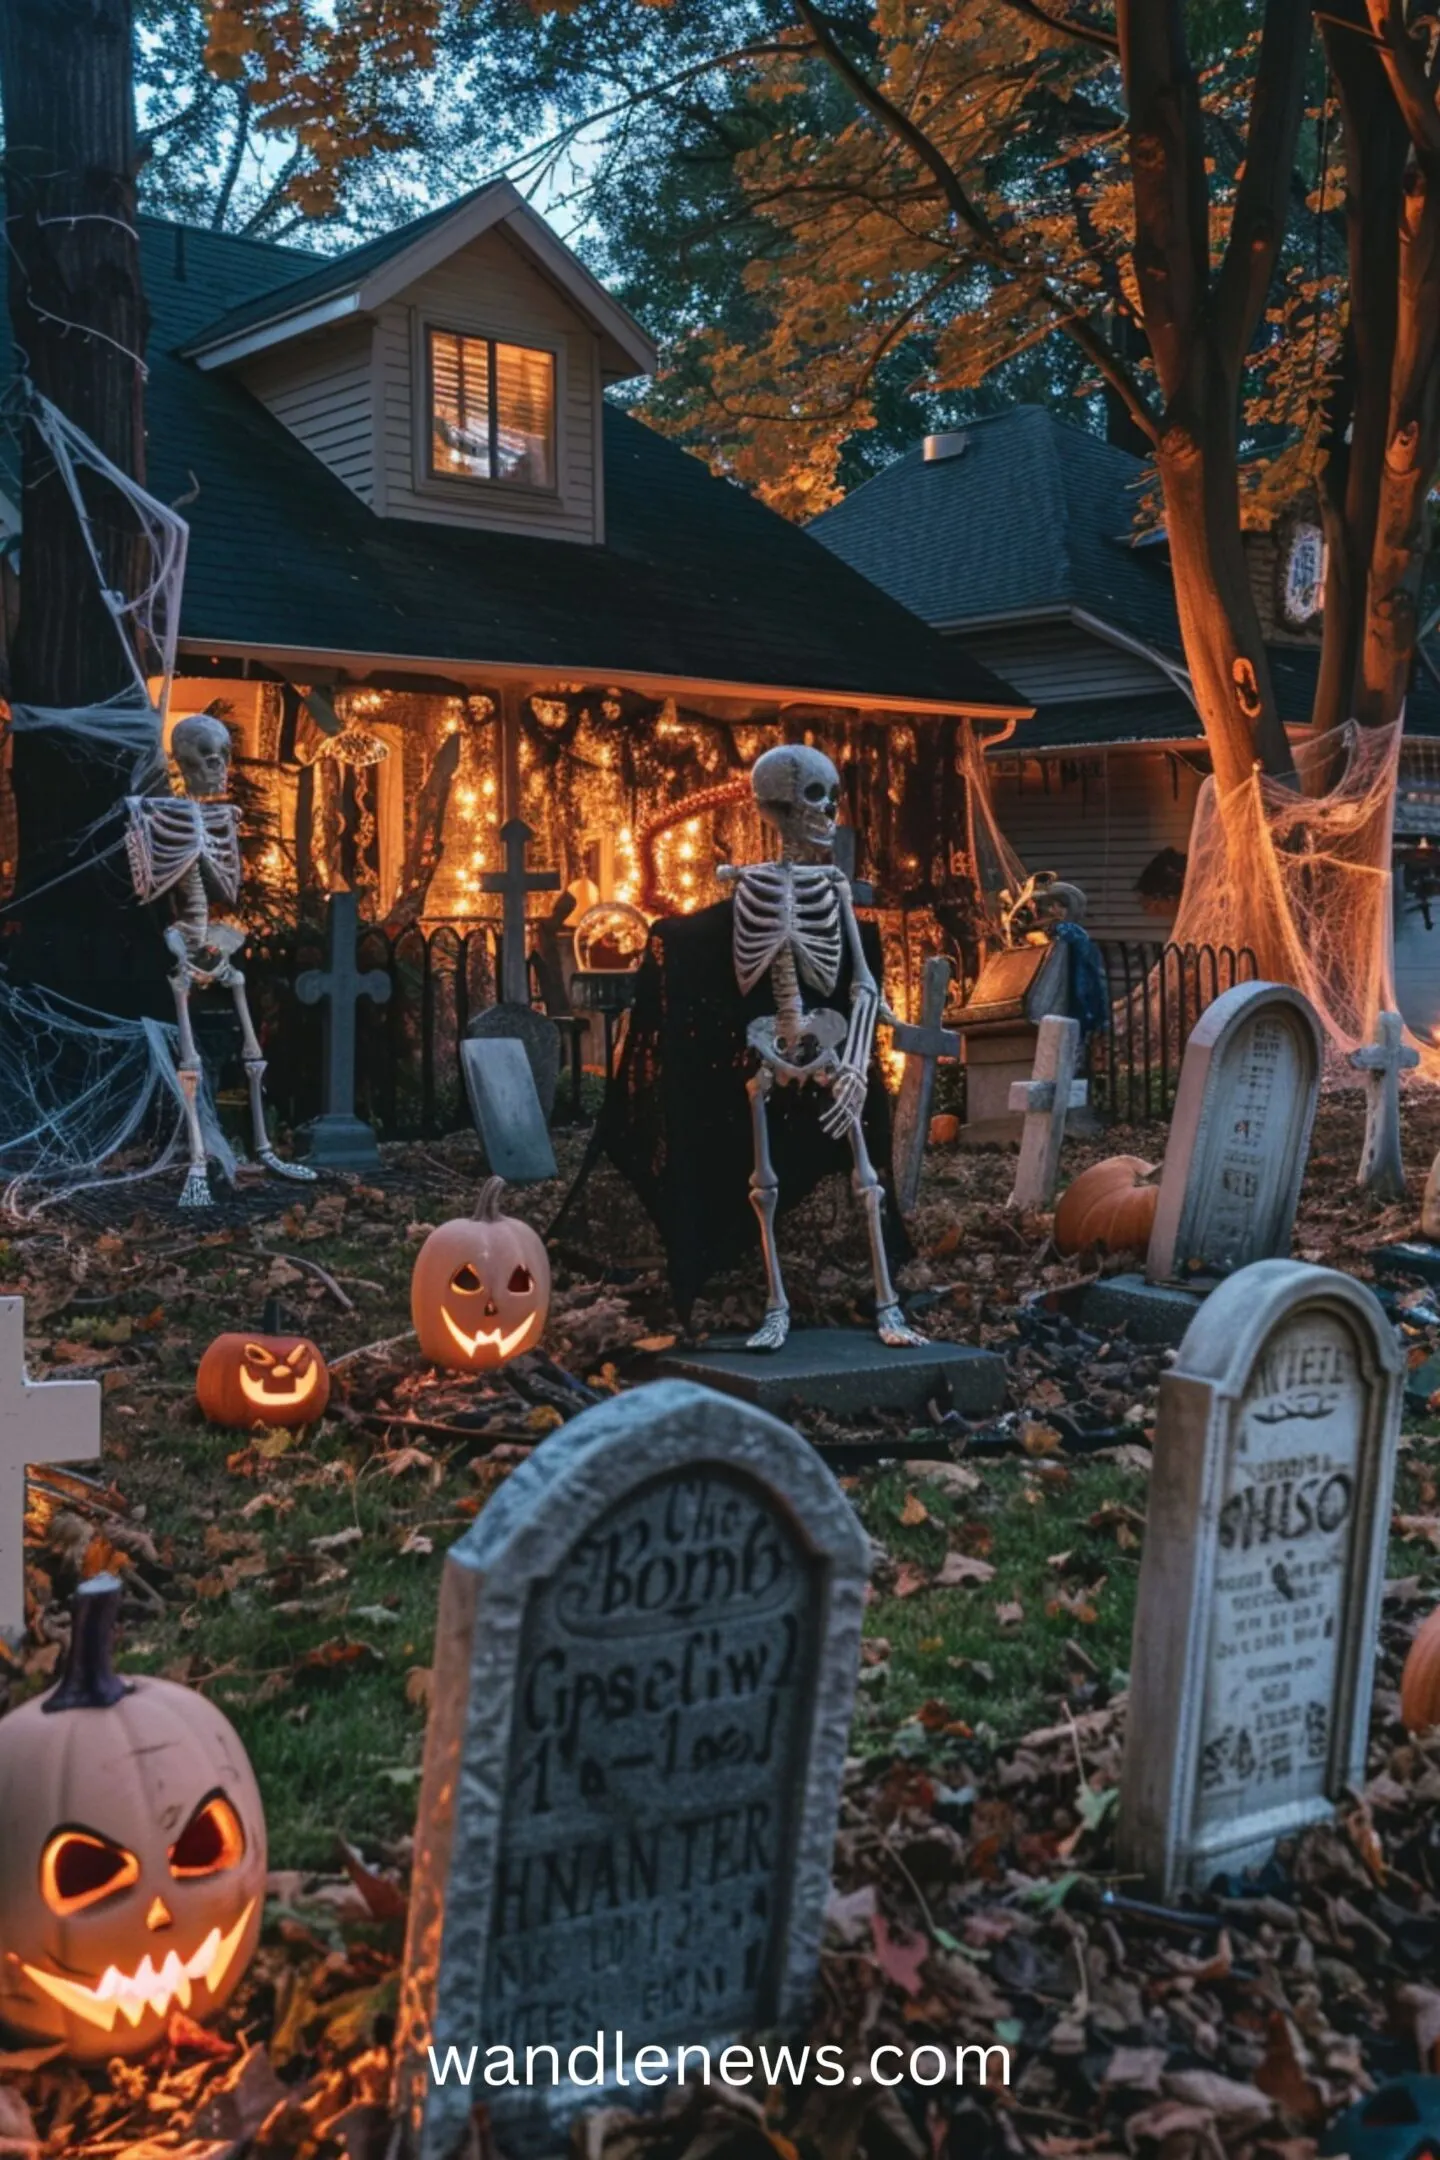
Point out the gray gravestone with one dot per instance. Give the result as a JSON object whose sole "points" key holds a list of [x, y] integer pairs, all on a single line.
{"points": [[924, 1045], [1263, 1569], [538, 1033], [515, 884], [1240, 1134], [644, 1677], [1045, 1100], [339, 1140], [507, 1111], [1382, 1166]]}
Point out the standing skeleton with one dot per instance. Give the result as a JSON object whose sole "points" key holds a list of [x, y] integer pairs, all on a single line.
{"points": [[795, 922], [189, 845]]}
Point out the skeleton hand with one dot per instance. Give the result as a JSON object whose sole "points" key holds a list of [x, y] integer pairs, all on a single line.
{"points": [[847, 1099]]}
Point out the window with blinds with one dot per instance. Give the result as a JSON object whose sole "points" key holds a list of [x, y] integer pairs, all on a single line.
{"points": [[492, 410]]}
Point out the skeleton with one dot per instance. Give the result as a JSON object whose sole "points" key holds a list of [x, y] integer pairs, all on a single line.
{"points": [[189, 846], [795, 922]]}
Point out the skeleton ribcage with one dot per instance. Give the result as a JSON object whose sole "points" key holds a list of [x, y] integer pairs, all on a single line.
{"points": [[789, 908]]}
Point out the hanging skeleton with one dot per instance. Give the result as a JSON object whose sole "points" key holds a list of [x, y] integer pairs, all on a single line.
{"points": [[795, 922], [189, 846]]}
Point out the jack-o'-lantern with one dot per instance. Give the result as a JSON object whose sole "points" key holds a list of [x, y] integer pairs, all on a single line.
{"points": [[1420, 1681], [1108, 1205], [262, 1379], [480, 1291], [132, 1865]]}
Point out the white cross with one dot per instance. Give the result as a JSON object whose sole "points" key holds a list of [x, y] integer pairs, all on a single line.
{"points": [[1382, 1168], [48, 1421], [1046, 1099]]}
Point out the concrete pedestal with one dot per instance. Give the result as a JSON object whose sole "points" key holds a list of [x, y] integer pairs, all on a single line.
{"points": [[342, 1143], [993, 1061], [1153, 1312], [844, 1370]]}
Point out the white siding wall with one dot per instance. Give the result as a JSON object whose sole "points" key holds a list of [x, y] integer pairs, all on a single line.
{"points": [[488, 289], [321, 390], [1059, 660], [1100, 834]]}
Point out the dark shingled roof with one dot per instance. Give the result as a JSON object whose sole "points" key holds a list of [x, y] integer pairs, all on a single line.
{"points": [[695, 579], [1033, 515]]}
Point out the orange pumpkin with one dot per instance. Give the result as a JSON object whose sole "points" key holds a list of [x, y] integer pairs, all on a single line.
{"points": [[1420, 1682], [944, 1129], [1108, 1206], [480, 1290], [132, 1868], [258, 1379]]}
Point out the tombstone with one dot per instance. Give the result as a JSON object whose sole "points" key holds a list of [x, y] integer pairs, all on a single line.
{"points": [[1239, 1136], [998, 1026], [339, 1140], [41, 1421], [514, 883], [1045, 1101], [537, 1035], [924, 1045], [1263, 1570], [507, 1111], [644, 1676], [1382, 1167]]}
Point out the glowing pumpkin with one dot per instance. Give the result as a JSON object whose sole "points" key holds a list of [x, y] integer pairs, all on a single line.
{"points": [[1108, 1206], [245, 1380], [1420, 1682], [944, 1129], [480, 1291], [132, 1868]]}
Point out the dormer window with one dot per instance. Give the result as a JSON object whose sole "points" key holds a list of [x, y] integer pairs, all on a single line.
{"points": [[492, 410]]}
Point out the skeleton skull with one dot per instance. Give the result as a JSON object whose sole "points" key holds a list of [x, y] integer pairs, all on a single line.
{"points": [[797, 790], [201, 748]]}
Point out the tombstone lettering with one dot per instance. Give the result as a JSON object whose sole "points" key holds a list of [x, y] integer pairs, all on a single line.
{"points": [[1382, 1167], [644, 1677], [514, 884], [338, 1138], [1240, 1134], [1045, 1100], [47, 1421], [507, 1111], [1263, 1570], [923, 1046]]}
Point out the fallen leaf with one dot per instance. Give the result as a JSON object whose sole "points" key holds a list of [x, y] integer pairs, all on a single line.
{"points": [[914, 1511], [898, 1956], [958, 1568]]}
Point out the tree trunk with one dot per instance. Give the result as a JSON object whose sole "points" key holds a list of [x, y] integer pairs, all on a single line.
{"points": [[78, 316]]}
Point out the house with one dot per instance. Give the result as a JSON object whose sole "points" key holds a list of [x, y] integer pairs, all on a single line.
{"points": [[1015, 538], [436, 579]]}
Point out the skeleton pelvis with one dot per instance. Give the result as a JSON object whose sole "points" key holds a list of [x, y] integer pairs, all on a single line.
{"points": [[809, 1055]]}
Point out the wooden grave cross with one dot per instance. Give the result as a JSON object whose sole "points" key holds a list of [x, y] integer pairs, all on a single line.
{"points": [[338, 1137], [41, 1421], [924, 1045], [514, 883], [1046, 1098], [1382, 1168]]}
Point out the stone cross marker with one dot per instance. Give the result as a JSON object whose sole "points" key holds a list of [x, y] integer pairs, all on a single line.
{"points": [[338, 1138], [1046, 1099], [513, 883], [1263, 1570], [45, 1421], [644, 1676], [506, 1109], [923, 1047], [1240, 1134], [1382, 1167]]}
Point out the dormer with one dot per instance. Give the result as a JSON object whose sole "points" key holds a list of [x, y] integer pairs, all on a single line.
{"points": [[450, 373]]}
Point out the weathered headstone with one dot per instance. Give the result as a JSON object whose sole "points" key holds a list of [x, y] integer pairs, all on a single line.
{"points": [[41, 1421], [1045, 1100], [923, 1046], [1263, 1570], [538, 1035], [507, 1111], [644, 1676], [338, 1138], [1240, 1134], [1382, 1166]]}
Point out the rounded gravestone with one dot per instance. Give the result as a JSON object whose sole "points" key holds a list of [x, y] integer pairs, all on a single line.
{"points": [[540, 1037]]}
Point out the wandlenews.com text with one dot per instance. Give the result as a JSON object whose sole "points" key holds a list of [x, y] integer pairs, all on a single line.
{"points": [[606, 2059]]}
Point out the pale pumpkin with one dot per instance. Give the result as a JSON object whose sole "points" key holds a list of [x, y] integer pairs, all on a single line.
{"points": [[260, 1379], [1108, 1205], [1420, 1681], [480, 1289], [132, 1868]]}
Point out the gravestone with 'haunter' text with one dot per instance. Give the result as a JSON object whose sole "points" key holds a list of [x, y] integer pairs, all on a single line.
{"points": [[644, 1677]]}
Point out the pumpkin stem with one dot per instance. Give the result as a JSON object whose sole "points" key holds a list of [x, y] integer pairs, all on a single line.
{"points": [[487, 1207], [89, 1680]]}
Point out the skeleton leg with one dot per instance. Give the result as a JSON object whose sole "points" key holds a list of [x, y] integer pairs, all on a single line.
{"points": [[764, 1194], [195, 1193], [890, 1324], [253, 1059]]}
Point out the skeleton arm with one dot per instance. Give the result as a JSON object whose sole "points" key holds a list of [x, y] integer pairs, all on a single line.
{"points": [[847, 1096]]}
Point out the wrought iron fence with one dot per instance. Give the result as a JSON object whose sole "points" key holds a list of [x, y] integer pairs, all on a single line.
{"points": [[1157, 993]]}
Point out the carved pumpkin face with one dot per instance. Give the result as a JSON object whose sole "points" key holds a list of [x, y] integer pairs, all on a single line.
{"points": [[132, 1870], [480, 1290], [245, 1380]]}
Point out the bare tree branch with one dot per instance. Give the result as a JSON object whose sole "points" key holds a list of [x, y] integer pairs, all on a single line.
{"points": [[1088, 33], [1262, 199]]}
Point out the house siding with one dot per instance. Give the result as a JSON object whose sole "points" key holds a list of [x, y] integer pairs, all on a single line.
{"points": [[1098, 820], [322, 391], [1051, 661]]}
